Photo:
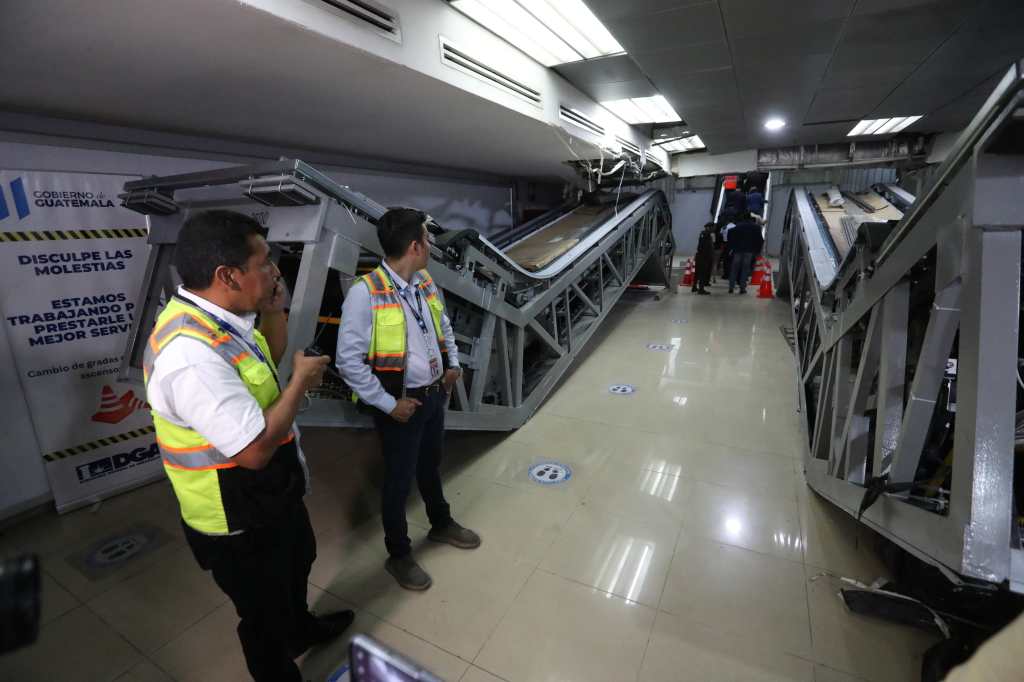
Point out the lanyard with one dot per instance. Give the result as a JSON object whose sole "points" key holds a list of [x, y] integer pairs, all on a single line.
{"points": [[417, 311], [223, 324]]}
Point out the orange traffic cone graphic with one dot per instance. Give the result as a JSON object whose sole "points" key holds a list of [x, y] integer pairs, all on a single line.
{"points": [[759, 269], [766, 290]]}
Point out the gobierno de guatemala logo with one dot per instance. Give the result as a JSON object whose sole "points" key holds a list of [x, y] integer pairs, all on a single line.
{"points": [[47, 198], [114, 409], [20, 200]]}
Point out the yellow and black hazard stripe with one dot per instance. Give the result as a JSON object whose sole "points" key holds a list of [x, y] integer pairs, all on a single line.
{"points": [[57, 235], [98, 443]]}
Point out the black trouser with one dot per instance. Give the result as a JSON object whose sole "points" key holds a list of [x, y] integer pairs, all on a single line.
{"points": [[265, 572], [412, 449]]}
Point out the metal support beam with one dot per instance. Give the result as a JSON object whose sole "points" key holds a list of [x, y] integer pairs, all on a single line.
{"points": [[892, 375]]}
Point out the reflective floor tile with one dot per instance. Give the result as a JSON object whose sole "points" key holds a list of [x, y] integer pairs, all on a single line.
{"points": [[55, 600], [475, 674], [152, 608], [766, 522], [625, 489], [834, 541], [624, 556], [145, 672], [76, 646], [209, 650], [472, 589], [684, 651], [560, 630], [739, 593]]}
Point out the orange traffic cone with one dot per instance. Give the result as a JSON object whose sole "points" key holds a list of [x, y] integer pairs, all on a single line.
{"points": [[687, 280], [758, 274], [766, 290]]}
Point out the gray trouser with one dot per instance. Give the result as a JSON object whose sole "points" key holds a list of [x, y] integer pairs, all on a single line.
{"points": [[739, 273]]}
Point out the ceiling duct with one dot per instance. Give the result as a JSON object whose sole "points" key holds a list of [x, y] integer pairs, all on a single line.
{"points": [[628, 146], [457, 58], [576, 118], [368, 14], [872, 152]]}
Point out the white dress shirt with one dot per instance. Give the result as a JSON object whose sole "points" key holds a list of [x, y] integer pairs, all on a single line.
{"points": [[192, 386], [354, 342]]}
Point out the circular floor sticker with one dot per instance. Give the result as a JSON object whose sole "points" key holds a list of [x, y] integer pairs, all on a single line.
{"points": [[622, 389], [660, 346], [550, 473]]}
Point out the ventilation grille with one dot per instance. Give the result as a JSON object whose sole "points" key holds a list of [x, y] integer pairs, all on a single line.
{"points": [[576, 118], [628, 146], [651, 158], [457, 58], [369, 14]]}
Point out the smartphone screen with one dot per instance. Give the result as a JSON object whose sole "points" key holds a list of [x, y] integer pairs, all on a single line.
{"points": [[371, 661]]}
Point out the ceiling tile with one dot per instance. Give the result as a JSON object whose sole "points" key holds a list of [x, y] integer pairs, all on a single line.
{"points": [[865, 76], [745, 17], [686, 58], [844, 104], [607, 91], [684, 26], [802, 39]]}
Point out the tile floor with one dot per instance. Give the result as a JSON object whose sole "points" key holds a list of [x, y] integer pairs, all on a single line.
{"points": [[685, 546]]}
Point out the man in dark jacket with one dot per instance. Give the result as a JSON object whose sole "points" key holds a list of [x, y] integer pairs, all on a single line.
{"points": [[704, 259], [745, 242], [755, 202]]}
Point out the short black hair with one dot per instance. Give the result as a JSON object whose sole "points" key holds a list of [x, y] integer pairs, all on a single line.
{"points": [[210, 239], [398, 228]]}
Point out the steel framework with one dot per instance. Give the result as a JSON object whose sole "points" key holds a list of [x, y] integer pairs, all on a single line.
{"points": [[877, 383], [517, 331]]}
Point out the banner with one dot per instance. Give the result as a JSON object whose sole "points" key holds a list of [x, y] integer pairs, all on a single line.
{"points": [[71, 263]]}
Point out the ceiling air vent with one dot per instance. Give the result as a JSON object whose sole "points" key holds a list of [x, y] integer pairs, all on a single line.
{"points": [[576, 118], [628, 146], [371, 15], [457, 58]]}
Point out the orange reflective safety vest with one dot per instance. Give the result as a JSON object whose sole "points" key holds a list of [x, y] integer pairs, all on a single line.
{"points": [[217, 496], [387, 352]]}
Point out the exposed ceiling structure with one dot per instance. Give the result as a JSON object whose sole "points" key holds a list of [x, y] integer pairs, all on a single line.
{"points": [[221, 69], [728, 65]]}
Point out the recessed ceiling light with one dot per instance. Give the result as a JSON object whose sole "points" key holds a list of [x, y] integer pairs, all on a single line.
{"points": [[654, 109], [774, 124], [882, 126], [552, 32]]}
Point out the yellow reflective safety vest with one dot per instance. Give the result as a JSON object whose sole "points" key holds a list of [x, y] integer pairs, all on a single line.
{"points": [[217, 496], [387, 352]]}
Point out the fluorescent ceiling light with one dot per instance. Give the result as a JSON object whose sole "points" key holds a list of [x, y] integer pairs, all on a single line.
{"points": [[774, 124], [882, 126], [551, 31], [685, 144], [654, 109]]}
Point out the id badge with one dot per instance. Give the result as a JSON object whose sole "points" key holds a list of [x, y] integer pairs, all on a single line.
{"points": [[435, 367]]}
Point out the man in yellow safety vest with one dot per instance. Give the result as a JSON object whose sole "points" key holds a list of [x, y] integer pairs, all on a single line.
{"points": [[226, 433], [397, 351]]}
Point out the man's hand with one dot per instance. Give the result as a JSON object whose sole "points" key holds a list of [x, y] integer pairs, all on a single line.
{"points": [[309, 371], [277, 302], [450, 377], [404, 409]]}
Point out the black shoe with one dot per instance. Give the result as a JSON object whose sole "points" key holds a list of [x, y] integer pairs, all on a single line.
{"points": [[730, 291], [456, 536], [743, 291], [408, 573], [693, 290], [322, 629], [703, 292]]}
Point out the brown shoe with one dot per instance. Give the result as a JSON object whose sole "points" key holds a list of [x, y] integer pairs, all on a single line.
{"points": [[408, 573], [455, 535]]}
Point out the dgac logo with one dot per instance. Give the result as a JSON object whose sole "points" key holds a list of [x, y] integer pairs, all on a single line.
{"points": [[114, 410], [20, 200], [116, 463]]}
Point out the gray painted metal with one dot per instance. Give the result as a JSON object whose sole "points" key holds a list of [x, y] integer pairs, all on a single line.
{"points": [[856, 316], [518, 331]]}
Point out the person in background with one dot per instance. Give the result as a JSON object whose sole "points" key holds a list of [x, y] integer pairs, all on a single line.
{"points": [[726, 251], [227, 435], [716, 254], [755, 203], [704, 259], [735, 205], [745, 242], [397, 351]]}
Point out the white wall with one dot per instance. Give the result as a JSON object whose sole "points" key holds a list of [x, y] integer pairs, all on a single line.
{"points": [[690, 210], [942, 145], [688, 165]]}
